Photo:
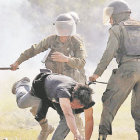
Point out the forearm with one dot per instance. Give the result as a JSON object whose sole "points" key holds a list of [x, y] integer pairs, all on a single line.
{"points": [[29, 53], [101, 67], [105, 60], [70, 119], [76, 63], [34, 50], [89, 129], [88, 123]]}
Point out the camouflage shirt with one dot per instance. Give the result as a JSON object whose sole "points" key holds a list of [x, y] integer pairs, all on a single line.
{"points": [[73, 47]]}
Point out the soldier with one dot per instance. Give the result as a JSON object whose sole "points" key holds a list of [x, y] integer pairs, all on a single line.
{"points": [[124, 45], [67, 57], [66, 96]]}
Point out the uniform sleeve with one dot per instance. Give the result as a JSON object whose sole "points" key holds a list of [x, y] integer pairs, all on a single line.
{"points": [[109, 54], [78, 60], [34, 50]]}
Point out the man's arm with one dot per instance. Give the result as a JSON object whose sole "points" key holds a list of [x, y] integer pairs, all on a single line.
{"points": [[34, 50], [89, 123], [78, 60], [70, 119], [31, 52], [112, 47]]}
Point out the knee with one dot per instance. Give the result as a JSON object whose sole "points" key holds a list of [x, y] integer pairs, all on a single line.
{"points": [[21, 105], [33, 110], [106, 95]]}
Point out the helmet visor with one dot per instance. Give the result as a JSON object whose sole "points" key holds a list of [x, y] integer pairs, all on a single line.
{"points": [[65, 28], [107, 13]]}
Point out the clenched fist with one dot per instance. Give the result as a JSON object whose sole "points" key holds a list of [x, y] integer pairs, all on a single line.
{"points": [[59, 57], [93, 77]]}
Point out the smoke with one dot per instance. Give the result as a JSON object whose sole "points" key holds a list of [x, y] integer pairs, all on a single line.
{"points": [[26, 22]]}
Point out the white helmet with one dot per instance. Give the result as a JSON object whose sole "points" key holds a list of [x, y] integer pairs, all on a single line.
{"points": [[75, 16], [65, 25]]}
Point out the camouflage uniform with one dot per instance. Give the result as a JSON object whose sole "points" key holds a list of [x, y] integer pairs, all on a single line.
{"points": [[123, 80], [74, 48]]}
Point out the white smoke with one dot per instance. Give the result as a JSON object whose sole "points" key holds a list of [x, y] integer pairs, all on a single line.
{"points": [[25, 22]]}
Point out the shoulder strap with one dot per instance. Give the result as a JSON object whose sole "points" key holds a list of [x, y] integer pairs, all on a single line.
{"points": [[121, 50]]}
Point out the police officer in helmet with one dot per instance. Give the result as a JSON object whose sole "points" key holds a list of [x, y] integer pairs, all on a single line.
{"points": [[124, 45], [67, 57]]}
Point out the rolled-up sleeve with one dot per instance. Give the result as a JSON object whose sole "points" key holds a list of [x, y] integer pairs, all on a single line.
{"points": [[78, 60]]}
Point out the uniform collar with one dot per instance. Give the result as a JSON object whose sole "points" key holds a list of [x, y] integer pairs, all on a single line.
{"points": [[58, 40]]}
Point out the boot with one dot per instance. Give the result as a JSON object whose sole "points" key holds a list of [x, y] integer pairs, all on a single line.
{"points": [[46, 129], [24, 81], [102, 137]]}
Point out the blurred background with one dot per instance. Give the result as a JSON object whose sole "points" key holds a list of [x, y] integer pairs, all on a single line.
{"points": [[26, 22]]}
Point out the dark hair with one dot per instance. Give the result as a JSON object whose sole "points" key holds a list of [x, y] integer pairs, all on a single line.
{"points": [[83, 94]]}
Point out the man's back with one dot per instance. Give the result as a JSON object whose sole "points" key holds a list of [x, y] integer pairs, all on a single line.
{"points": [[58, 86]]}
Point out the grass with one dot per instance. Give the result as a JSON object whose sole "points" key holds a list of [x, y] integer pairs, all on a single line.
{"points": [[19, 134], [19, 124]]}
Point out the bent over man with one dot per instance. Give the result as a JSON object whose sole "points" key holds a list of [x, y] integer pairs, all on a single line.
{"points": [[67, 57], [124, 45], [63, 94]]}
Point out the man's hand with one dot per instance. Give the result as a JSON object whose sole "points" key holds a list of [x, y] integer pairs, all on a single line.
{"points": [[70, 119], [14, 66], [89, 123], [59, 57], [78, 137], [93, 77]]}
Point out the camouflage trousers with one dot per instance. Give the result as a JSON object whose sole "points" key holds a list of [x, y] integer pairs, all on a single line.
{"points": [[122, 81]]}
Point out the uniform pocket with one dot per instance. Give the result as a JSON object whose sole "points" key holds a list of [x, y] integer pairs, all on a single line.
{"points": [[50, 65]]}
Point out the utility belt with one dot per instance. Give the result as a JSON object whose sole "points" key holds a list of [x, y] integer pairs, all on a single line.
{"points": [[135, 60], [131, 60]]}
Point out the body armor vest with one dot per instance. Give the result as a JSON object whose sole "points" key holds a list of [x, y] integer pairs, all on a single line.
{"points": [[131, 38]]}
